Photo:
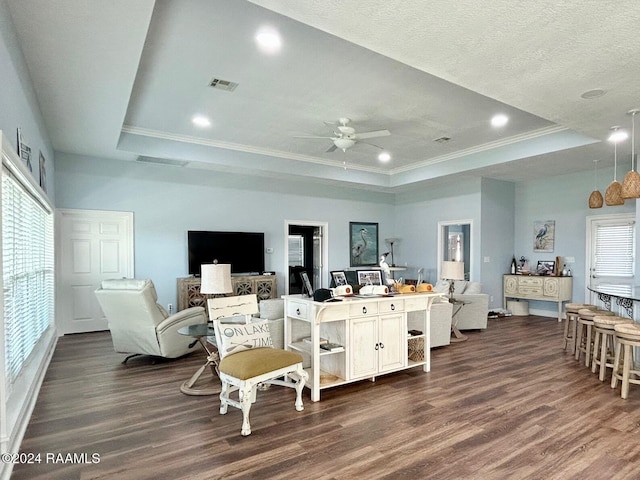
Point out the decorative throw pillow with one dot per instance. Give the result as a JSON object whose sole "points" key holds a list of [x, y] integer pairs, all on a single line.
{"points": [[473, 288], [442, 286], [459, 287], [234, 337], [271, 309]]}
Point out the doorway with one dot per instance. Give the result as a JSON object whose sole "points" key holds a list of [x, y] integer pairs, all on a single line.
{"points": [[305, 251], [454, 243]]}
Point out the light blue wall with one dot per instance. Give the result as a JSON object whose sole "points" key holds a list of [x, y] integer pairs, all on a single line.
{"points": [[168, 201], [417, 215], [18, 104], [565, 200], [497, 236]]}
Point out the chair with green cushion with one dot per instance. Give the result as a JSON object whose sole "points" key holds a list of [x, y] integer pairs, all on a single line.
{"points": [[247, 359]]}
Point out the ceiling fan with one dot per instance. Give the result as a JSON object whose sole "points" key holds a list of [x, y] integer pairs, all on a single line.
{"points": [[345, 136]]}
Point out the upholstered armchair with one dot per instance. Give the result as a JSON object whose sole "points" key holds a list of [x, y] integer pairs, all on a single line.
{"points": [[139, 325]]}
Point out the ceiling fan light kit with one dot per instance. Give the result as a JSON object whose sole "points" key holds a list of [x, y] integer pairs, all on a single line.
{"points": [[345, 136]]}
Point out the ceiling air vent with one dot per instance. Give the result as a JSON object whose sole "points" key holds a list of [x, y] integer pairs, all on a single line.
{"points": [[162, 161], [223, 84], [442, 139]]}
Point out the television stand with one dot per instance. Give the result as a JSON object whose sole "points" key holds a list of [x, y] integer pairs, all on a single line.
{"points": [[264, 286]]}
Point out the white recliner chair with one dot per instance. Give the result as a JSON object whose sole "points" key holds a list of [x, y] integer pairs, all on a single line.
{"points": [[141, 326]]}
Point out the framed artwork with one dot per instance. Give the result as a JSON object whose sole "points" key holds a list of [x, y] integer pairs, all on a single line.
{"points": [[363, 243], [43, 173], [369, 277], [339, 278], [24, 151], [546, 267], [544, 233], [306, 283]]}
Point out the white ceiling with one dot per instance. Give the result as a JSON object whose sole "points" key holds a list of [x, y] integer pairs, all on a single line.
{"points": [[122, 80]]}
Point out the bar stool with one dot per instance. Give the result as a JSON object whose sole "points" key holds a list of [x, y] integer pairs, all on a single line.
{"points": [[627, 337], [571, 323], [584, 342], [604, 342]]}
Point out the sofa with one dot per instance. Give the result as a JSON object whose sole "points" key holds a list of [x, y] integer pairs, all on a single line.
{"points": [[473, 314], [440, 322]]}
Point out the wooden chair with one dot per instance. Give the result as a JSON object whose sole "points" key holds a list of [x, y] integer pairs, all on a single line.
{"points": [[571, 324], [604, 342], [247, 356], [584, 334]]}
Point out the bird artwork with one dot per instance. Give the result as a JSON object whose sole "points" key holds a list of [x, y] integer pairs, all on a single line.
{"points": [[358, 248], [544, 235]]}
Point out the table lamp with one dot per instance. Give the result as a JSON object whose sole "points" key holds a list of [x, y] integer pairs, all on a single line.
{"points": [[452, 271], [215, 279]]}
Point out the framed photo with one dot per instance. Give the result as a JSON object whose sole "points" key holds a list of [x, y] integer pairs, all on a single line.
{"points": [[363, 243], [306, 284], [544, 234], [369, 277], [339, 278], [546, 267], [43, 173], [24, 151]]}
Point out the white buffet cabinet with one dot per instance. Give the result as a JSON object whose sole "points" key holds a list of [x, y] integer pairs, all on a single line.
{"points": [[373, 331], [548, 289]]}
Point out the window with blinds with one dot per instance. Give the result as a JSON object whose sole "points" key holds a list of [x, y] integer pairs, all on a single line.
{"points": [[615, 250], [28, 272]]}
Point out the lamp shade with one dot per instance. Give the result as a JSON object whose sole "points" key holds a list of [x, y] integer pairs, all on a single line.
{"points": [[216, 278], [452, 270]]}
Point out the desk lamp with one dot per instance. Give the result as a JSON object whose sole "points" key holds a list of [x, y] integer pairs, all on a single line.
{"points": [[452, 271]]}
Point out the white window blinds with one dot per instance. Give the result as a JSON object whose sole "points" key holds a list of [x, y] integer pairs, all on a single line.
{"points": [[28, 272], [615, 250]]}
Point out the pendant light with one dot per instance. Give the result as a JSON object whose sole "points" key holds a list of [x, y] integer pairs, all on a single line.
{"points": [[631, 182], [595, 199], [613, 194]]}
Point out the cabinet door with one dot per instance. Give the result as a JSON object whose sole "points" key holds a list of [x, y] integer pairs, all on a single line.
{"points": [[362, 351], [551, 288], [510, 285], [392, 342]]}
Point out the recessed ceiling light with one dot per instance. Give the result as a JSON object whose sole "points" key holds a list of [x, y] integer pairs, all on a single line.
{"points": [[595, 93], [384, 157], [201, 121], [499, 120], [268, 40]]}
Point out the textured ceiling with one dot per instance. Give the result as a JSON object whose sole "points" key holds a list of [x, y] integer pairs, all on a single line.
{"points": [[123, 79]]}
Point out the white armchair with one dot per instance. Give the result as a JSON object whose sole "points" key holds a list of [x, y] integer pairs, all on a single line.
{"points": [[473, 314], [139, 325]]}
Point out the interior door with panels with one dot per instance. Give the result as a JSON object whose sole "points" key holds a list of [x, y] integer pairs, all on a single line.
{"points": [[93, 246]]}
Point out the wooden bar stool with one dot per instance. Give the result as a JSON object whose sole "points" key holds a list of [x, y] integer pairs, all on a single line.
{"points": [[571, 323], [604, 342], [627, 337], [584, 333]]}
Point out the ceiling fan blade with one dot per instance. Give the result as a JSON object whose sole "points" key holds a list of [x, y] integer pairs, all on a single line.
{"points": [[332, 148], [372, 144], [309, 136], [376, 133]]}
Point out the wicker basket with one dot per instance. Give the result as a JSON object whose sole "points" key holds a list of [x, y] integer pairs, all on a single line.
{"points": [[416, 349]]}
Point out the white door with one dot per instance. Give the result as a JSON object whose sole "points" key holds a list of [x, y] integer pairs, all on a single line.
{"points": [[611, 253], [92, 246]]}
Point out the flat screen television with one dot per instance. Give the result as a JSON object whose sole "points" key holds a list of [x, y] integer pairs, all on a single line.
{"points": [[243, 250]]}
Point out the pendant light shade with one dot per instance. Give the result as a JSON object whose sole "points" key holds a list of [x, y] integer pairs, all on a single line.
{"points": [[631, 182], [595, 199], [613, 194]]}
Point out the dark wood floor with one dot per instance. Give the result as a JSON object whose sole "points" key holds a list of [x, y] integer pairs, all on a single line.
{"points": [[506, 404]]}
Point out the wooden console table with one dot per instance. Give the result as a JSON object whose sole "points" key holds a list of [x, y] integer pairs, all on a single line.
{"points": [[532, 287], [372, 333], [264, 286]]}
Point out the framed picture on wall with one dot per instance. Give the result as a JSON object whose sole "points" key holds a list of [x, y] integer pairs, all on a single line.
{"points": [[363, 243], [544, 234]]}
